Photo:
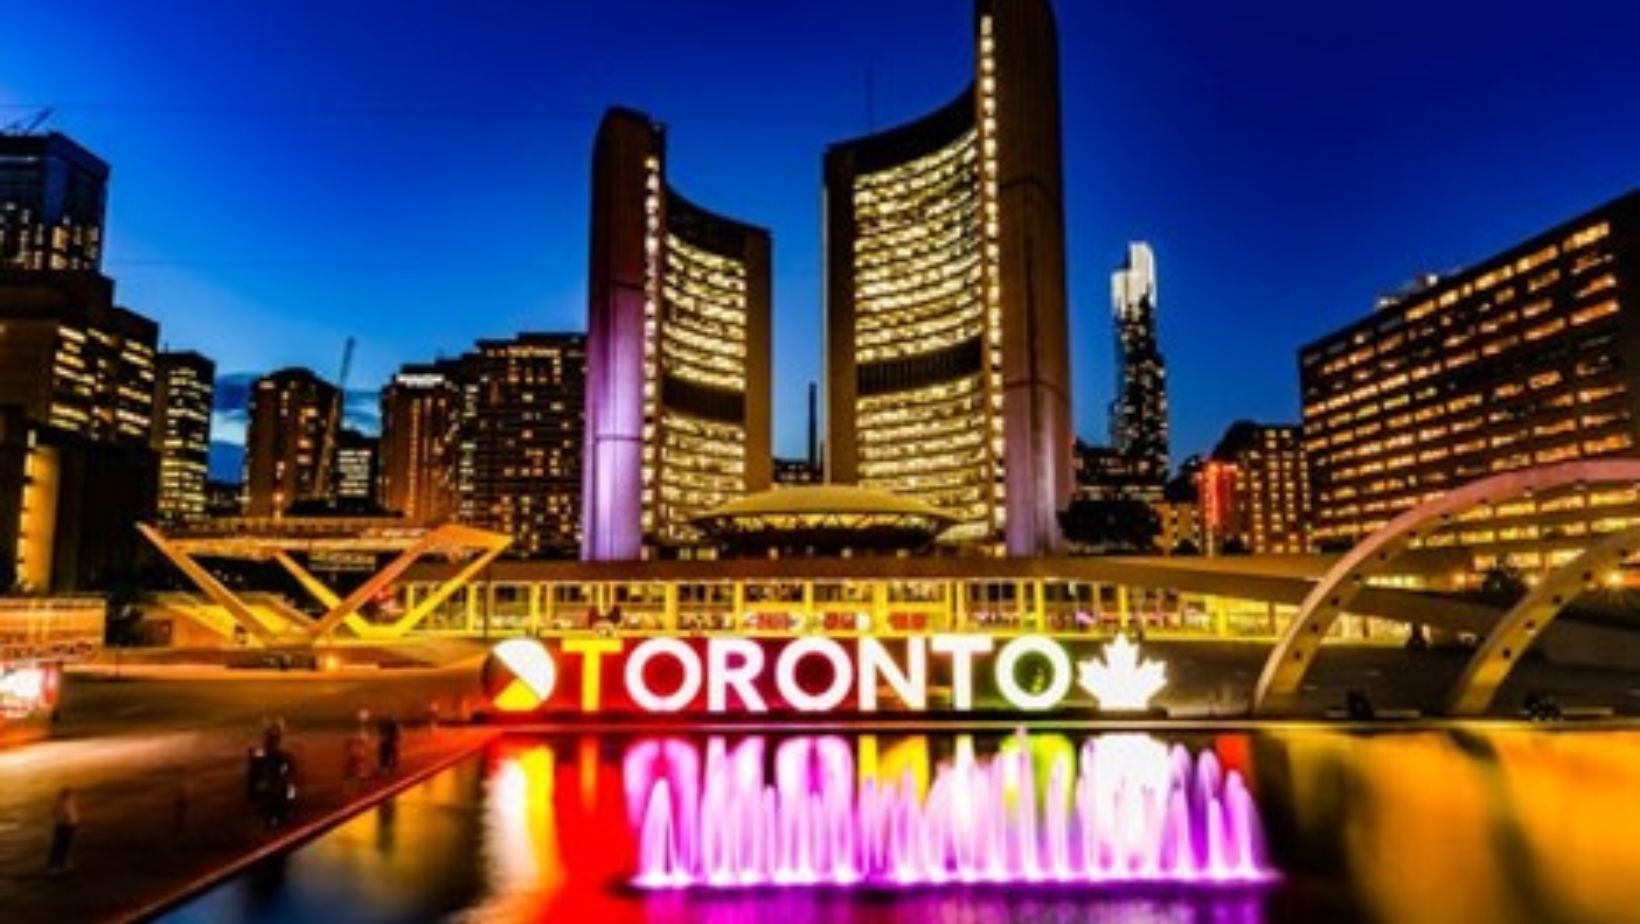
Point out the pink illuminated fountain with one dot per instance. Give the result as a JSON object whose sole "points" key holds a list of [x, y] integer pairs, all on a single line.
{"points": [[1125, 808]]}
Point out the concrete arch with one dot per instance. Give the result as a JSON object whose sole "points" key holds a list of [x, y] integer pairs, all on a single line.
{"points": [[1502, 648], [1332, 595]]}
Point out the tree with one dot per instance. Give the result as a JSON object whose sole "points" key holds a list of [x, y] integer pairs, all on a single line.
{"points": [[1501, 585], [1111, 526]]}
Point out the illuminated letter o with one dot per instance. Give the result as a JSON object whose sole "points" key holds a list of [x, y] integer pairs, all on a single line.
{"points": [[785, 674], [638, 688], [1059, 665]]}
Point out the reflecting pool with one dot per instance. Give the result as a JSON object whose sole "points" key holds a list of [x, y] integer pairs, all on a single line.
{"points": [[1287, 825]]}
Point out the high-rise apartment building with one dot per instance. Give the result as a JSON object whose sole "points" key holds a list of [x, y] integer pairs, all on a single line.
{"points": [[1529, 357], [519, 457], [290, 411], [420, 442], [1138, 416], [185, 385], [678, 390], [947, 363], [53, 197], [1269, 506]]}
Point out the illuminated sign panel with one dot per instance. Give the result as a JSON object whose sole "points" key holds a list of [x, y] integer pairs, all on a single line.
{"points": [[812, 674]]}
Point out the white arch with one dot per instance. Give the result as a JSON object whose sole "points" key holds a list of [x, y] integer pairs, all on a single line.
{"points": [[1290, 660], [1498, 654]]}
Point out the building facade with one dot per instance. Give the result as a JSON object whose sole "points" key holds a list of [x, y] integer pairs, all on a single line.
{"points": [[1138, 415], [77, 387], [185, 388], [1269, 507], [520, 443], [358, 461], [947, 364], [74, 360], [53, 200], [1103, 473], [678, 353], [1526, 358], [420, 442], [1181, 528], [290, 414], [67, 507], [77, 379], [224, 499]]}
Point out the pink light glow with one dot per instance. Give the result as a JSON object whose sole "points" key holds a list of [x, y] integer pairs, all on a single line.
{"points": [[1125, 809]]}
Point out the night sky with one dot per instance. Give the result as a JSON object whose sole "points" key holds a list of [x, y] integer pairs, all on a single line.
{"points": [[415, 173]]}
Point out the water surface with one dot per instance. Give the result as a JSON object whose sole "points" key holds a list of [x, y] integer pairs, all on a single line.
{"points": [[1505, 826]]}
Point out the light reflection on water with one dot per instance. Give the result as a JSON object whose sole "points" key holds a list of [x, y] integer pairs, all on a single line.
{"points": [[1427, 827]]}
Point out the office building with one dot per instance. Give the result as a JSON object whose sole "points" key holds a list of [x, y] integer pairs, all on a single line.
{"points": [[947, 363], [678, 390], [77, 380], [1269, 504], [1138, 416], [290, 414], [420, 442], [74, 360], [53, 197], [185, 384], [519, 456], [1526, 358]]}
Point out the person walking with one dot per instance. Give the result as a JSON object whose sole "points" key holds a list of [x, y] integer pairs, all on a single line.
{"points": [[65, 817]]}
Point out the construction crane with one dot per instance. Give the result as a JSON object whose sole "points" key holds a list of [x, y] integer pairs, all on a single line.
{"points": [[322, 487], [27, 124]]}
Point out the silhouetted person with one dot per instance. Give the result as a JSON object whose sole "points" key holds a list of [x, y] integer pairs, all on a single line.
{"points": [[273, 734], [65, 821], [278, 772]]}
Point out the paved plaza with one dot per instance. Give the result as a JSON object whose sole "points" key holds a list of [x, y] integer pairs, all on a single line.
{"points": [[158, 762]]}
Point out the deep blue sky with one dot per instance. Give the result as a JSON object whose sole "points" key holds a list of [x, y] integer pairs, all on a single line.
{"points": [[415, 173]]}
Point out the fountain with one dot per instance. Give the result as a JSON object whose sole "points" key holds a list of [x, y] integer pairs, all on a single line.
{"points": [[1125, 808]]}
